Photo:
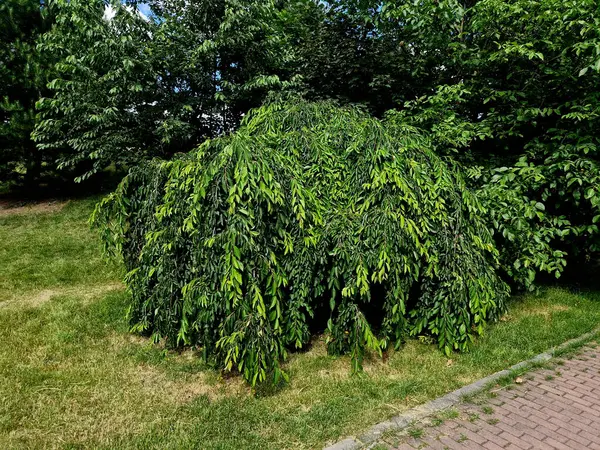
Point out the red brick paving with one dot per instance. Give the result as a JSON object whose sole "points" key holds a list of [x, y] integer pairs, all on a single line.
{"points": [[556, 408]]}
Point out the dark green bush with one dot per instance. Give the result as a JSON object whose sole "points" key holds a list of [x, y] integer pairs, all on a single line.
{"points": [[24, 72], [308, 209], [531, 237]]}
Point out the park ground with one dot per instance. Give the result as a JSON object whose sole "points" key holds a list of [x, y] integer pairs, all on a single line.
{"points": [[71, 375]]}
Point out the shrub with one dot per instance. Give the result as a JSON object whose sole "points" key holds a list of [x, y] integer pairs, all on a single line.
{"points": [[309, 209], [531, 238], [532, 70]]}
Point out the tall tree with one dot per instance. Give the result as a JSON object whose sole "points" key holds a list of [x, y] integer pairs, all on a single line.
{"points": [[129, 87], [380, 53], [534, 82]]}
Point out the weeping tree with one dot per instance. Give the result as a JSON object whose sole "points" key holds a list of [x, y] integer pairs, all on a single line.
{"points": [[309, 210]]}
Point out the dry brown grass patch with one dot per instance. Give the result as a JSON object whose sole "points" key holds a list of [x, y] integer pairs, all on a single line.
{"points": [[184, 388], [35, 299], [547, 310], [11, 207]]}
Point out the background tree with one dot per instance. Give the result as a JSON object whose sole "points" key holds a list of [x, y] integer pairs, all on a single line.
{"points": [[380, 53], [24, 72], [532, 72], [130, 87]]}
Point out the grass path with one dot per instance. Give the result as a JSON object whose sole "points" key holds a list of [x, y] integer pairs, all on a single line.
{"points": [[72, 376]]}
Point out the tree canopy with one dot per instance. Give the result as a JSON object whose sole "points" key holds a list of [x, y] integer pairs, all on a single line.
{"points": [[130, 88]]}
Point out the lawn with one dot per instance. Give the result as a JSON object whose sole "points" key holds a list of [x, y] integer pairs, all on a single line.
{"points": [[72, 376]]}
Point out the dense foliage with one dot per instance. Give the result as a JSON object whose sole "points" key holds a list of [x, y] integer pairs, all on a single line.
{"points": [[129, 87], [531, 69], [306, 207], [23, 76]]}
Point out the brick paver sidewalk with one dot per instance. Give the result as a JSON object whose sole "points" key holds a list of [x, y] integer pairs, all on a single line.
{"points": [[556, 408]]}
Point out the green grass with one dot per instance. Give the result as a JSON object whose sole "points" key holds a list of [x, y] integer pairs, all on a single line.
{"points": [[72, 376], [51, 250], [487, 410]]}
